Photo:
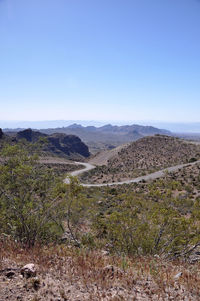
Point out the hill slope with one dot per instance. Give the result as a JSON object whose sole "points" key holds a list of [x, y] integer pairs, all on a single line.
{"points": [[143, 156], [102, 157]]}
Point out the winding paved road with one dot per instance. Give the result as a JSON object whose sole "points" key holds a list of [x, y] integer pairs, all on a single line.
{"points": [[80, 171], [151, 176]]}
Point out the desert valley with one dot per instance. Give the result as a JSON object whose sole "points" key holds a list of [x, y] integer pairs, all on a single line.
{"points": [[99, 150], [126, 227]]}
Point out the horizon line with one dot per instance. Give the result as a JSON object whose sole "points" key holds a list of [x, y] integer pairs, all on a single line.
{"points": [[102, 121]]}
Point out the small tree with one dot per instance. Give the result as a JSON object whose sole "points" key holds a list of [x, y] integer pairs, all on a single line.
{"points": [[79, 209]]}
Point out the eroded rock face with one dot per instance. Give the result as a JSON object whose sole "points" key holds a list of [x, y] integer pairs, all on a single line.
{"points": [[59, 144], [69, 144]]}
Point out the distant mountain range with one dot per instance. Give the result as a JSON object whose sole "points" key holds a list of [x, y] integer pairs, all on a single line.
{"points": [[107, 136], [175, 127]]}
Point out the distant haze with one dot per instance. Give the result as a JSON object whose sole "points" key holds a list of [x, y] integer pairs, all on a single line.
{"points": [[174, 127]]}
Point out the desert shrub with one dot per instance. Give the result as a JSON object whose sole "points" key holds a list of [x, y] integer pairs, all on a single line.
{"points": [[31, 198], [78, 210], [139, 226]]}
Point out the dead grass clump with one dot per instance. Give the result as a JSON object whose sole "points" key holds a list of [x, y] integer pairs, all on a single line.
{"points": [[66, 273]]}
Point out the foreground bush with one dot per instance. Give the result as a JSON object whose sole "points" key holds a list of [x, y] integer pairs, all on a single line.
{"points": [[31, 198], [148, 222]]}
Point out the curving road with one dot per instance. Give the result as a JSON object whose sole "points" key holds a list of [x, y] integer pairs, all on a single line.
{"points": [[151, 176], [80, 171]]}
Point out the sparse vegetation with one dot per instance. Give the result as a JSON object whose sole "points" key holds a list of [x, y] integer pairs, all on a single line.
{"points": [[144, 156], [131, 241], [68, 274]]}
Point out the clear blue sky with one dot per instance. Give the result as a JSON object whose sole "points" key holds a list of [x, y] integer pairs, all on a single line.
{"points": [[100, 60]]}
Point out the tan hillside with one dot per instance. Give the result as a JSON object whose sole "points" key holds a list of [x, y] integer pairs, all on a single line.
{"points": [[103, 157], [143, 156]]}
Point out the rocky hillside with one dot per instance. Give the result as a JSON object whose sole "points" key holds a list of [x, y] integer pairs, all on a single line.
{"points": [[69, 146], [146, 155], [159, 151], [4, 137], [29, 135], [102, 157]]}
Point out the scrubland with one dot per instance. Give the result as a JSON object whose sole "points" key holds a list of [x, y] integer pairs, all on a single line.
{"points": [[130, 242]]}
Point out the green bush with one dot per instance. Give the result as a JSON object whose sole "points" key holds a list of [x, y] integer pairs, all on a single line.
{"points": [[139, 225], [31, 198]]}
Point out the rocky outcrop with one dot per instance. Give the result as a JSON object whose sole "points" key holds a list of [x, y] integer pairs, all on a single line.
{"points": [[68, 144], [59, 144], [29, 135], [1, 134]]}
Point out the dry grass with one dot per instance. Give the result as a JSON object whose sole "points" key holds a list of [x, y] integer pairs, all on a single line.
{"points": [[73, 274]]}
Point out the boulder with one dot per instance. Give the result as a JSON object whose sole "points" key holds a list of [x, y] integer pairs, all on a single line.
{"points": [[110, 271], [29, 270]]}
